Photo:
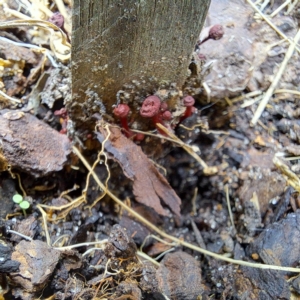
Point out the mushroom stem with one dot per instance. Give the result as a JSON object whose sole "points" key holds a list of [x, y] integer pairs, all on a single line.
{"points": [[157, 119], [121, 111], [125, 126]]}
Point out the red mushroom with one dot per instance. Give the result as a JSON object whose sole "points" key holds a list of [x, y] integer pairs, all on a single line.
{"points": [[61, 112], [188, 102], [57, 19], [121, 111], [214, 32], [63, 119], [151, 109], [163, 106], [166, 115]]}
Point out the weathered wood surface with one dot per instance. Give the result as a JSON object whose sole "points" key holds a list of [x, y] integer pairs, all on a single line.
{"points": [[115, 42]]}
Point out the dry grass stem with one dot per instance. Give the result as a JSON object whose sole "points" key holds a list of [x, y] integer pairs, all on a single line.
{"points": [[271, 24], [58, 40], [246, 96], [291, 178], [26, 45], [162, 137], [28, 238], [207, 170], [280, 8], [11, 99], [147, 257], [259, 93], [229, 206], [274, 83]]}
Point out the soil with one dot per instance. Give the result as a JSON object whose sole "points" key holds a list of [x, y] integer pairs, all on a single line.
{"points": [[215, 217]]}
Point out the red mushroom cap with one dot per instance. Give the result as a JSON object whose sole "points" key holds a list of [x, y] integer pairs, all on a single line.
{"points": [[61, 112], [188, 101], [57, 19], [216, 32], [150, 107], [163, 106], [121, 111], [167, 115]]}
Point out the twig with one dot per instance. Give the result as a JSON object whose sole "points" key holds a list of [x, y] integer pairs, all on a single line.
{"points": [[272, 87]]}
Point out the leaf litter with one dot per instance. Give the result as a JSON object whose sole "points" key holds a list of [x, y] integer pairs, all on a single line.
{"points": [[132, 171]]}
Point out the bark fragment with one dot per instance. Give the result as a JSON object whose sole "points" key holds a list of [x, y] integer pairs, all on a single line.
{"points": [[37, 262], [30, 144]]}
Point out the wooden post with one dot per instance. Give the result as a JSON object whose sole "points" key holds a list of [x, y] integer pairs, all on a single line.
{"points": [[142, 45]]}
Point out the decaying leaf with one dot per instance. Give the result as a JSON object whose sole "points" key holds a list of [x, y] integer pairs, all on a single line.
{"points": [[149, 186]]}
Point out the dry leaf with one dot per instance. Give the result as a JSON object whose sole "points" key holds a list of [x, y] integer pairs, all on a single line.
{"points": [[149, 186]]}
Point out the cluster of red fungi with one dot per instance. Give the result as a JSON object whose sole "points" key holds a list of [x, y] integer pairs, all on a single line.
{"points": [[153, 108]]}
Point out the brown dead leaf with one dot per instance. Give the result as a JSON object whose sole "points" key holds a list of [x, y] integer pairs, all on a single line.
{"points": [[149, 186]]}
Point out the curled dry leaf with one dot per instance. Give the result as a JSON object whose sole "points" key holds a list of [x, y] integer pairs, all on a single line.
{"points": [[149, 186]]}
